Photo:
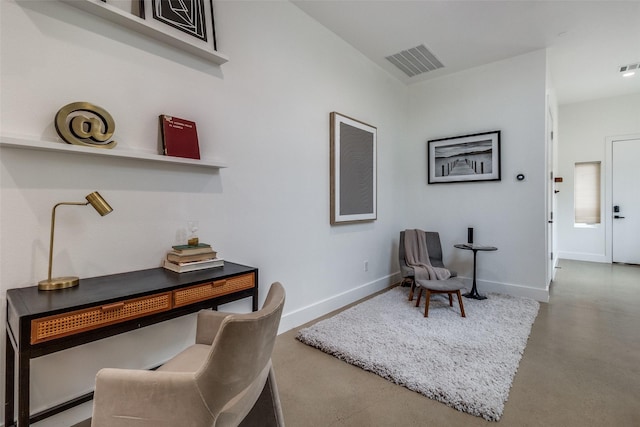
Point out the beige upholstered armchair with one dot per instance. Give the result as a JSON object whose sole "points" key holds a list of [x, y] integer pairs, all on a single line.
{"points": [[215, 382]]}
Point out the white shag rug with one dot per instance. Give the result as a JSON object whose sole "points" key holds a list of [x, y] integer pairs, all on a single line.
{"points": [[466, 363]]}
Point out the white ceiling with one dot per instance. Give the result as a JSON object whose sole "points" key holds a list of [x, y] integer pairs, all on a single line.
{"points": [[587, 40]]}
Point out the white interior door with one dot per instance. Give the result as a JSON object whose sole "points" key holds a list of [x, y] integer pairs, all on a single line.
{"points": [[626, 203]]}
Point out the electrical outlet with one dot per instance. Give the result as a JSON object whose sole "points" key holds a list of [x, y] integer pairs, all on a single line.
{"points": [[366, 266]]}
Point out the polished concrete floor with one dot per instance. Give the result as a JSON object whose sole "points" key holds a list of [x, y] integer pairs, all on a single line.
{"points": [[581, 367]]}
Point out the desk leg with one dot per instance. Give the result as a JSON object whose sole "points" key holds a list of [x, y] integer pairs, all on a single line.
{"points": [[9, 382], [24, 374], [474, 290], [254, 299]]}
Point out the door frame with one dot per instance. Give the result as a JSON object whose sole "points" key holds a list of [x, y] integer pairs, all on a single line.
{"points": [[608, 203], [551, 253]]}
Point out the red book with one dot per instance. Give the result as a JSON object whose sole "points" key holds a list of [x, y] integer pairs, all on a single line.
{"points": [[179, 137]]}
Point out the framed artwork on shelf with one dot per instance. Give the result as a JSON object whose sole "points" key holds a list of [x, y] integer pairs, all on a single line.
{"points": [[352, 170], [465, 158], [190, 21]]}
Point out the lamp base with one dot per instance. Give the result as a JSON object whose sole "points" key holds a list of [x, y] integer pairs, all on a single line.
{"points": [[58, 283]]}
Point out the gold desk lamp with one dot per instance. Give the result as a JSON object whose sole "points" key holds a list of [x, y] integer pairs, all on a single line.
{"points": [[103, 208]]}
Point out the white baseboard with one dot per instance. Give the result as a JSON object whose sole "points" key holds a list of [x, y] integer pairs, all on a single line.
{"points": [[580, 256], [313, 311], [515, 290]]}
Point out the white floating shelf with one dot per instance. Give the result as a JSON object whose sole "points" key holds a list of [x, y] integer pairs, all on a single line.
{"points": [[30, 144], [135, 23]]}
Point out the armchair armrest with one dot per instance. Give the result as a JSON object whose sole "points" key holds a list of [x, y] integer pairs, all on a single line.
{"points": [[208, 324], [128, 398], [406, 271]]}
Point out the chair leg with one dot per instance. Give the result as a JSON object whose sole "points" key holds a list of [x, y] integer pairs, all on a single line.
{"points": [[412, 288], [461, 306], [426, 303], [450, 299], [419, 296]]}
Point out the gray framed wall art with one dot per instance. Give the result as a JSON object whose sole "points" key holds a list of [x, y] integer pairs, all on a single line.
{"points": [[353, 173]]}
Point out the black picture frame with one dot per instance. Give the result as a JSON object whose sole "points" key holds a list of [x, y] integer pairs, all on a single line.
{"points": [[198, 29], [465, 158]]}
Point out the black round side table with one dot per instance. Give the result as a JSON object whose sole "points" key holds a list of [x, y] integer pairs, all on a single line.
{"points": [[475, 248]]}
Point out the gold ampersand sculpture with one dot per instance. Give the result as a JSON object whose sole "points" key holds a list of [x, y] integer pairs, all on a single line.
{"points": [[93, 130]]}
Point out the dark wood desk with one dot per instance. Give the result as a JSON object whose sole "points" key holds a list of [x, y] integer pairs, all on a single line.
{"points": [[44, 322]]}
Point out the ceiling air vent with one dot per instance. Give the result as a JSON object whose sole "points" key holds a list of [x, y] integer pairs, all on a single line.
{"points": [[414, 61], [629, 67]]}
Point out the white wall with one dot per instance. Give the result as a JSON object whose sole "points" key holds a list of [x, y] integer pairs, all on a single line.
{"points": [[508, 96], [583, 130], [266, 113]]}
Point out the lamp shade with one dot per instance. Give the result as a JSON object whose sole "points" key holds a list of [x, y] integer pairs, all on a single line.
{"points": [[99, 204]]}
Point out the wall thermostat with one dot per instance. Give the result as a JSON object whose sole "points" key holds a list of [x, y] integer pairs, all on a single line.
{"points": [[520, 177]]}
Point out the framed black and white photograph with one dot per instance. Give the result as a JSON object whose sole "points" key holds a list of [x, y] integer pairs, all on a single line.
{"points": [[190, 21], [352, 170], [465, 158]]}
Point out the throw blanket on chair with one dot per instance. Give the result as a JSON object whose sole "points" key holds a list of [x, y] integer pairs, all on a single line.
{"points": [[417, 256]]}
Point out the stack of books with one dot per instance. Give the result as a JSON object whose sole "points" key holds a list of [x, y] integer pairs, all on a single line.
{"points": [[185, 258]]}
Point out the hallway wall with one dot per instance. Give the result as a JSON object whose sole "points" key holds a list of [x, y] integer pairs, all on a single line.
{"points": [[583, 129]]}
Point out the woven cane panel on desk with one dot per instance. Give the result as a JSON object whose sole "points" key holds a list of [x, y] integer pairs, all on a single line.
{"points": [[213, 289], [49, 328]]}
